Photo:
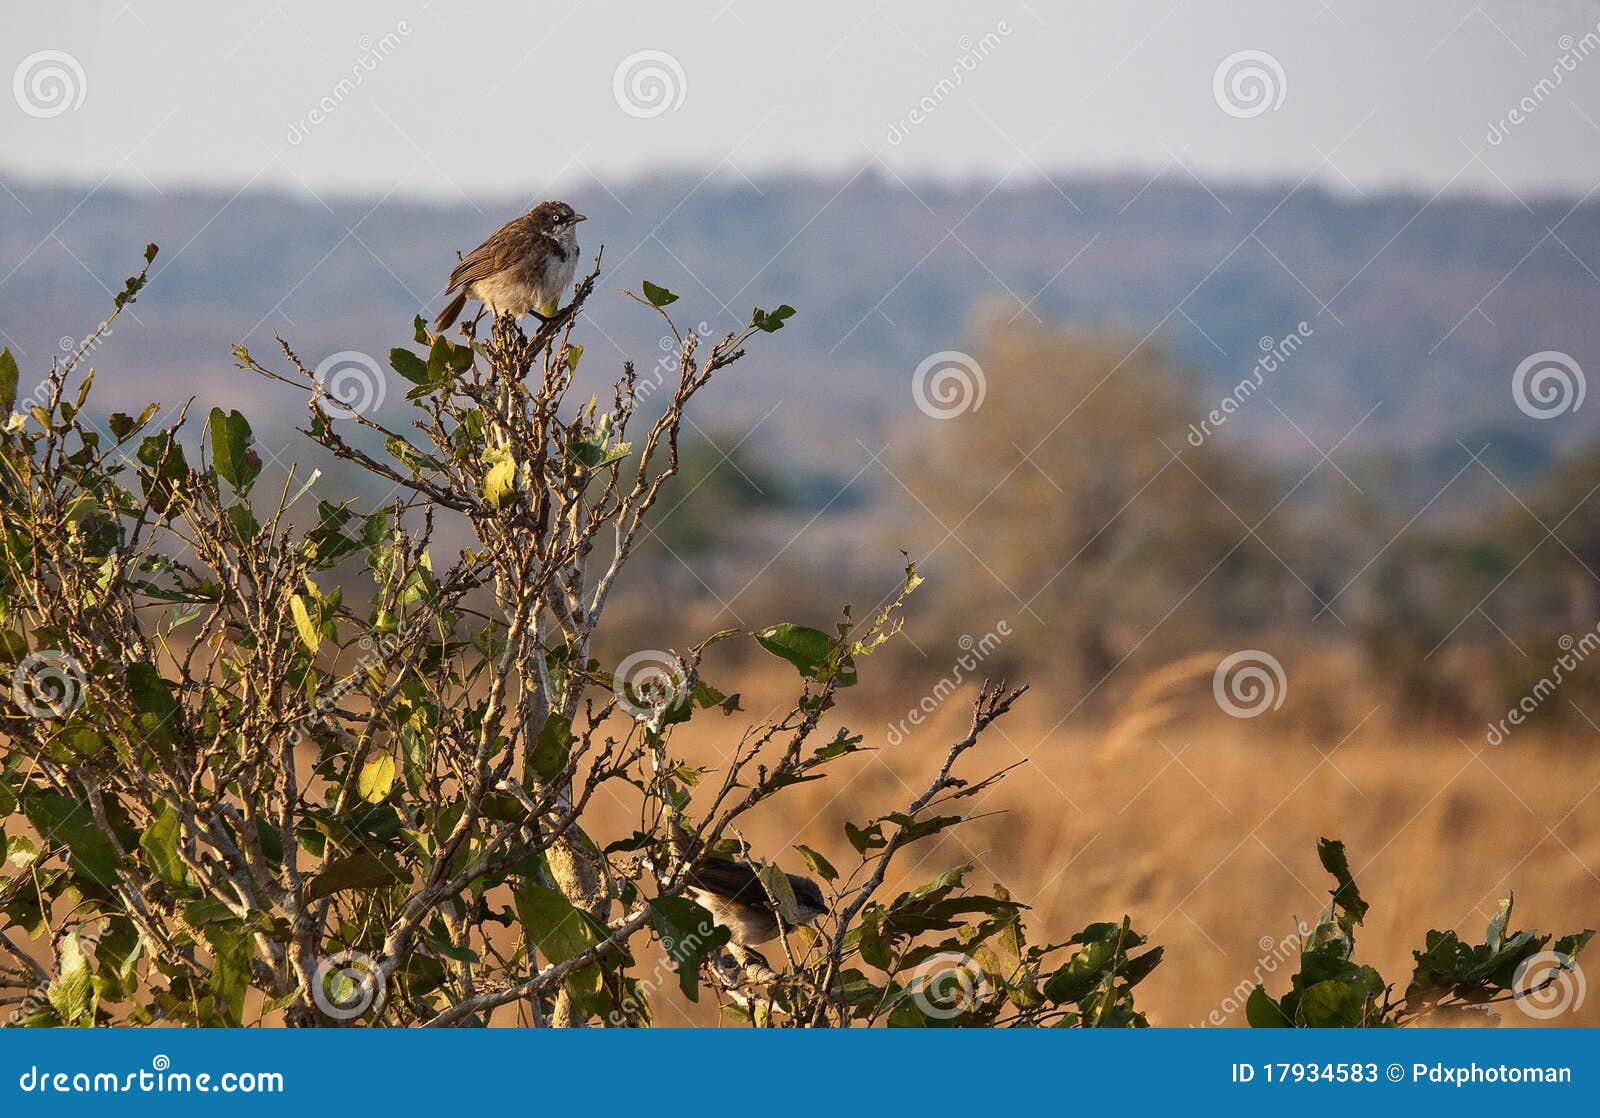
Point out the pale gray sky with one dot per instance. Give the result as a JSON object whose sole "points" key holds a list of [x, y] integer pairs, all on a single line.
{"points": [[477, 98]]}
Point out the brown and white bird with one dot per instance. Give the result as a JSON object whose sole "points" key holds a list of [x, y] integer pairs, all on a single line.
{"points": [[734, 896], [523, 268]]}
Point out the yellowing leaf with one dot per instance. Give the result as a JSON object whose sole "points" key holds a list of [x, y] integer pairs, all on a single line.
{"points": [[310, 635], [376, 779], [501, 480]]}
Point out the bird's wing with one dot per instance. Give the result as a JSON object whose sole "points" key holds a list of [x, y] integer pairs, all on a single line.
{"points": [[732, 880], [514, 241]]}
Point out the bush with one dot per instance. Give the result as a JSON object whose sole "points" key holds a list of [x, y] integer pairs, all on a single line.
{"points": [[260, 769]]}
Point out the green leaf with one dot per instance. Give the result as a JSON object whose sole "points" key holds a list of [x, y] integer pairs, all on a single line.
{"points": [[852, 987], [776, 884], [376, 779], [1331, 1005], [689, 935], [235, 461], [551, 751], [560, 931], [845, 743], [83, 741], [876, 948], [817, 863], [71, 994], [1082, 973], [658, 296], [1263, 1013], [165, 479], [772, 321], [351, 871], [1346, 897], [913, 579], [152, 698], [807, 649], [865, 838], [160, 844], [1140, 967], [707, 696], [230, 973], [423, 974], [207, 911], [134, 284], [554, 924], [59, 819], [409, 365], [413, 459], [594, 453], [8, 381], [310, 632], [1571, 945], [440, 354], [912, 829]]}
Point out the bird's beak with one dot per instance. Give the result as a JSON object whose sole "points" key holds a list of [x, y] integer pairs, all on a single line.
{"points": [[577, 218]]}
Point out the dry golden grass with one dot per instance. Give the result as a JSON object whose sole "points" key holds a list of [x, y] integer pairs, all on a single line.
{"points": [[1204, 829]]}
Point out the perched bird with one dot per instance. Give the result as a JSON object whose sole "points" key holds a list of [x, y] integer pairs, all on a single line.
{"points": [[733, 894], [522, 268]]}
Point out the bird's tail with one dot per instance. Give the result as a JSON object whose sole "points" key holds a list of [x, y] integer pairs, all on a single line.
{"points": [[452, 311]]}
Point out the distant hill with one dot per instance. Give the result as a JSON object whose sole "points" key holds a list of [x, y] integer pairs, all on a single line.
{"points": [[1419, 308]]}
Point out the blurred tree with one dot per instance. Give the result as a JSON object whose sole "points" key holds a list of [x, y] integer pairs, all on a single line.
{"points": [[1088, 514]]}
